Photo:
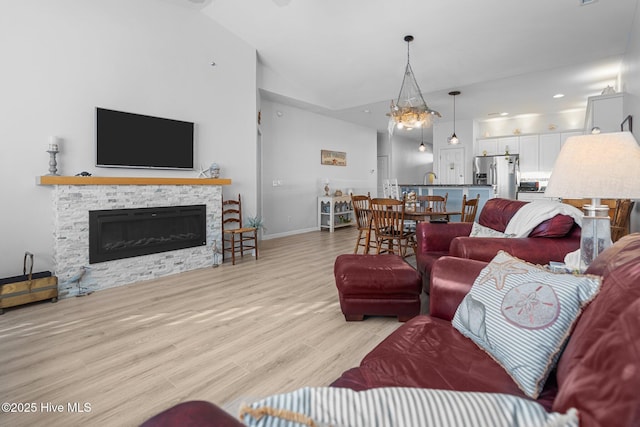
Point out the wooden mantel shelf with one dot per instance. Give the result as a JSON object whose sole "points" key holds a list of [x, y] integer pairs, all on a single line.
{"points": [[116, 180]]}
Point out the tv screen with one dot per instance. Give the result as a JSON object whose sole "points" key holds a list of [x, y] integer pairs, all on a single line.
{"points": [[138, 141]]}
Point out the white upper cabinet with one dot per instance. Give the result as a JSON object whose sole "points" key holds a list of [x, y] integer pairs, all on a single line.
{"points": [[497, 146], [548, 151], [604, 112], [487, 147], [529, 151], [509, 144]]}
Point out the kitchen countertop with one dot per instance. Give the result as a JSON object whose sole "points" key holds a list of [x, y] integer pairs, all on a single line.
{"points": [[444, 185]]}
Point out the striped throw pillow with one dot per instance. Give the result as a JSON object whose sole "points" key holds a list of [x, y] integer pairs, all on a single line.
{"points": [[522, 315], [397, 406]]}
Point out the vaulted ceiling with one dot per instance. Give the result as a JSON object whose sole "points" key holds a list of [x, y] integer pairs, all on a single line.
{"points": [[342, 57]]}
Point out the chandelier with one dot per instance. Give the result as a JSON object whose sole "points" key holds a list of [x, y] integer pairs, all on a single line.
{"points": [[410, 110]]}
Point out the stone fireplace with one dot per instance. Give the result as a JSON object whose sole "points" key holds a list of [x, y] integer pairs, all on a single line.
{"points": [[74, 197]]}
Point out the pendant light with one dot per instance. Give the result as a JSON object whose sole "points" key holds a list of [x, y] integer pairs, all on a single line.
{"points": [[410, 110], [422, 147], [453, 139]]}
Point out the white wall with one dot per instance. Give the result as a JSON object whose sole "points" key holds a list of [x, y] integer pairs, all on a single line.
{"points": [[630, 83], [61, 59], [291, 142], [408, 164]]}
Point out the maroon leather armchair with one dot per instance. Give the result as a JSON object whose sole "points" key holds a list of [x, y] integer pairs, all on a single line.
{"points": [[549, 241]]}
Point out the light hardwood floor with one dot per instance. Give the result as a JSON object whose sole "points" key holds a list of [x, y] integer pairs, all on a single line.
{"points": [[224, 335]]}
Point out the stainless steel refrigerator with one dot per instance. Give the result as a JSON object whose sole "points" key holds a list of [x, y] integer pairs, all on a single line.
{"points": [[501, 172]]}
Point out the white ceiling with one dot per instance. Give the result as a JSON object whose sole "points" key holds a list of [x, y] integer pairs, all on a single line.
{"points": [[503, 55]]}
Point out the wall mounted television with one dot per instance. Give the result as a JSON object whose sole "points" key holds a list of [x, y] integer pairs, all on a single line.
{"points": [[128, 140]]}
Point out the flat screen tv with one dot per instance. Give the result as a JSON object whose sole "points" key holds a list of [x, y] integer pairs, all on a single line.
{"points": [[130, 140]]}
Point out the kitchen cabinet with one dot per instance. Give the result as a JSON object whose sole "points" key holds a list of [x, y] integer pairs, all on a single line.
{"points": [[487, 147], [605, 112], [529, 153], [509, 144], [497, 146], [538, 152], [335, 212], [548, 150]]}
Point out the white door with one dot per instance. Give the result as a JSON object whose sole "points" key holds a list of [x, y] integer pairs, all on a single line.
{"points": [[451, 166], [383, 174]]}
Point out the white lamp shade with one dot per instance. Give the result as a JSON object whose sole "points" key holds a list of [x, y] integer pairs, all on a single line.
{"points": [[606, 165]]}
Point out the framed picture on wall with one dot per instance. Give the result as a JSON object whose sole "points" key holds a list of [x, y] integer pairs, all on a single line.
{"points": [[333, 158]]}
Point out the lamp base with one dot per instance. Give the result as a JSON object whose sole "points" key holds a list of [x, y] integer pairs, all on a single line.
{"points": [[596, 233]]}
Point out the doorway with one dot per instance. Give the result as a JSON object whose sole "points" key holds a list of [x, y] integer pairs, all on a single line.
{"points": [[451, 166]]}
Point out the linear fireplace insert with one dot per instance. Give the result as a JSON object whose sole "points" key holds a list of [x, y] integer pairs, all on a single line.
{"points": [[125, 233]]}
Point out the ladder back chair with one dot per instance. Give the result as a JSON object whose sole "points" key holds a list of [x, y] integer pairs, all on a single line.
{"points": [[621, 219], [235, 237], [390, 189], [619, 213], [435, 204], [388, 221], [362, 213], [469, 209]]}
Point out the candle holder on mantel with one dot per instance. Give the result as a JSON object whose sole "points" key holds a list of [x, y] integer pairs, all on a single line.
{"points": [[53, 164]]}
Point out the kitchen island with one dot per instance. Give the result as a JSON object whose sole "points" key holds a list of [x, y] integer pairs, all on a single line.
{"points": [[454, 194]]}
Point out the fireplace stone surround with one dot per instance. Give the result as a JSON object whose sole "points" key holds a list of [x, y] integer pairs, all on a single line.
{"points": [[74, 197]]}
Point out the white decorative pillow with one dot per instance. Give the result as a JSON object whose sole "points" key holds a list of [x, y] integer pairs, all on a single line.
{"points": [[522, 315], [399, 406], [478, 230]]}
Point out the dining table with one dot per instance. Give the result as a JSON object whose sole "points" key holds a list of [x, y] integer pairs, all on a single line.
{"points": [[419, 214]]}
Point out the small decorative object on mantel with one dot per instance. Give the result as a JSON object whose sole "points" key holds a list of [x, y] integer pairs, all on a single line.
{"points": [[338, 193], [53, 149], [214, 170], [326, 189]]}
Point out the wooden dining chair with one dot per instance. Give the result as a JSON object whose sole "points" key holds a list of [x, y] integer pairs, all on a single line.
{"points": [[435, 204], [235, 237], [621, 219], [469, 208], [392, 237], [360, 204], [580, 203]]}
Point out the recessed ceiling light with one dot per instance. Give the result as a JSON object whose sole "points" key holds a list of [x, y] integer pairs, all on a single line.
{"points": [[558, 95], [366, 111], [504, 114]]}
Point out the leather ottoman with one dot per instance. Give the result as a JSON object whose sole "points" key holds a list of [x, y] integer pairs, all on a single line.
{"points": [[380, 285]]}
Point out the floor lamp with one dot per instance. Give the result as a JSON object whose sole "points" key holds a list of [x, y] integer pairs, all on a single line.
{"points": [[605, 165]]}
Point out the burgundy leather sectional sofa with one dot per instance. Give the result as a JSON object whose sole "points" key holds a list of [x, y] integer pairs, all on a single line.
{"points": [[549, 241], [598, 372]]}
